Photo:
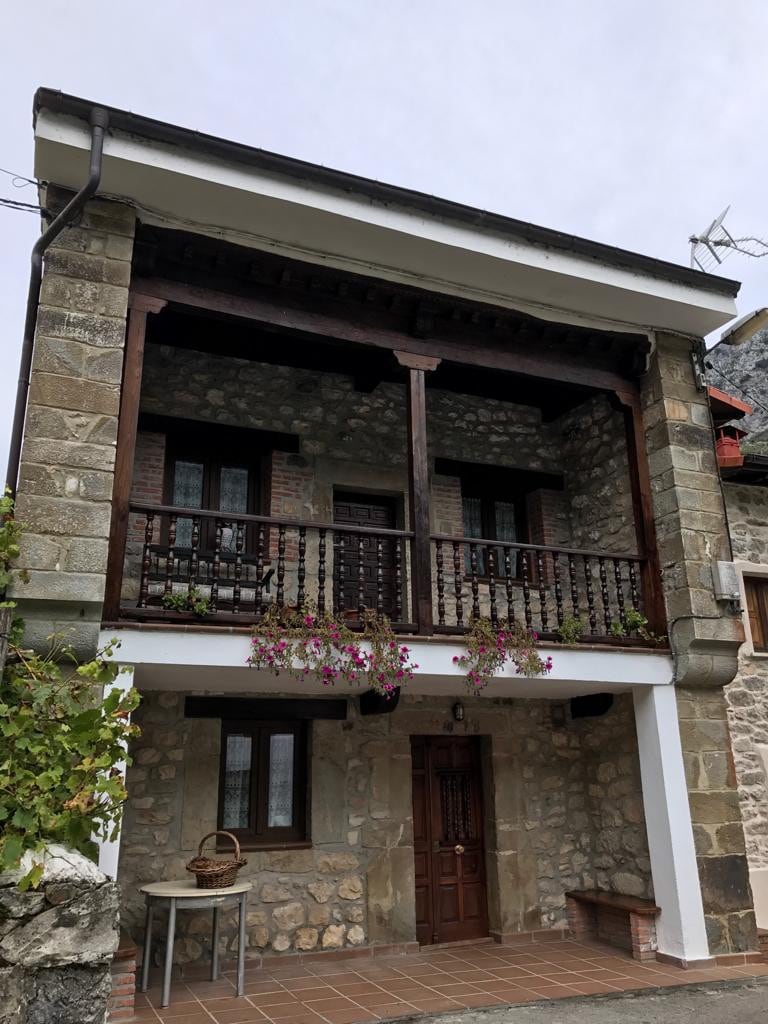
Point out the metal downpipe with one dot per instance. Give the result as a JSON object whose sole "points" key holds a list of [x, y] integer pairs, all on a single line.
{"points": [[99, 120]]}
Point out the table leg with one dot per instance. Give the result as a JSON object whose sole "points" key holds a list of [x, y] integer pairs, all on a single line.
{"points": [[241, 948], [147, 954], [215, 945], [166, 997]]}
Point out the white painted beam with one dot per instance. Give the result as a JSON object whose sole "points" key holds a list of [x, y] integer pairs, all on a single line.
{"points": [[178, 660], [680, 929], [109, 849]]}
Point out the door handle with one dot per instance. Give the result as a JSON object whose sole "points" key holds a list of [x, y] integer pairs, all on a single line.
{"points": [[459, 849]]}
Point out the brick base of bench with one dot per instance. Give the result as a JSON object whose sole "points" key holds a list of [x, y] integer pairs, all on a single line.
{"points": [[623, 921], [121, 1005], [762, 942]]}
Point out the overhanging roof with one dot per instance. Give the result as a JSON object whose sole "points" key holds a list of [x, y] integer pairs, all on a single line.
{"points": [[322, 215]]}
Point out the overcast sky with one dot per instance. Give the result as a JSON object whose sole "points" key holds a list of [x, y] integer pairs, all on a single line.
{"points": [[632, 122]]}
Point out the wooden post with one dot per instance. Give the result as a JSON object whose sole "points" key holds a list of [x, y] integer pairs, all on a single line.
{"points": [[642, 504], [130, 392], [418, 482]]}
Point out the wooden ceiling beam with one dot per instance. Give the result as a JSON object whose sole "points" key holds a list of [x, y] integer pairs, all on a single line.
{"points": [[468, 348]]}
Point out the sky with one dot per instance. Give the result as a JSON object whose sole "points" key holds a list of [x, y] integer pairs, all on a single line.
{"points": [[632, 122]]}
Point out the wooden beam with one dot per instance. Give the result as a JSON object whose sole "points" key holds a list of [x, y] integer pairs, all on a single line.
{"points": [[417, 362], [265, 708], [642, 505], [130, 392], [418, 477], [469, 349]]}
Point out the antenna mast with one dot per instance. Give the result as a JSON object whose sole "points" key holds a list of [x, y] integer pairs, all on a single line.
{"points": [[716, 243]]}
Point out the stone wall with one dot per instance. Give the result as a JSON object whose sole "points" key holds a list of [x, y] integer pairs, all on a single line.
{"points": [[65, 482], [353, 441], [563, 810], [747, 696], [691, 530], [594, 454], [56, 943]]}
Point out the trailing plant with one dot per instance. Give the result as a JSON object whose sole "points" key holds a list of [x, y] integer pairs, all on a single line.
{"points": [[635, 623], [302, 644], [190, 601], [571, 629], [10, 535], [62, 742], [489, 648]]}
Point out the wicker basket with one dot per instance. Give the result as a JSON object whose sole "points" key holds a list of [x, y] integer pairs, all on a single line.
{"points": [[216, 872]]}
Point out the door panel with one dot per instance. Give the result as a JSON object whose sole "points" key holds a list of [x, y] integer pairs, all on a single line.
{"points": [[451, 901], [372, 512]]}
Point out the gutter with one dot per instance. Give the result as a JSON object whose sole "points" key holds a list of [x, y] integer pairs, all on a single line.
{"points": [[326, 177], [99, 120]]}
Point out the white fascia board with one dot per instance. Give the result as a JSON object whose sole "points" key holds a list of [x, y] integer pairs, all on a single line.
{"points": [[350, 231], [177, 660]]}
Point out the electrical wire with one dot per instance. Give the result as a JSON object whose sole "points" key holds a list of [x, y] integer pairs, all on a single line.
{"points": [[18, 180], [14, 204]]}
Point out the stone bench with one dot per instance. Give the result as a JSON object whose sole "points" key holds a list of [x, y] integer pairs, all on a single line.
{"points": [[624, 921]]}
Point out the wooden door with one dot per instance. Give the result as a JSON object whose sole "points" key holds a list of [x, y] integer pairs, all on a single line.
{"points": [[451, 900], [370, 511]]}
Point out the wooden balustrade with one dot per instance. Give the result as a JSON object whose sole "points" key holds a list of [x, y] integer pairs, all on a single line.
{"points": [[526, 584], [243, 564]]}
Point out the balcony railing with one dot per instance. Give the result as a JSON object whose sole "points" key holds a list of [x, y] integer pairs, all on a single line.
{"points": [[538, 586], [244, 564]]}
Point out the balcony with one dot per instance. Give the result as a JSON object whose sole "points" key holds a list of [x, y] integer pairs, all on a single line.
{"points": [[306, 439], [254, 563]]}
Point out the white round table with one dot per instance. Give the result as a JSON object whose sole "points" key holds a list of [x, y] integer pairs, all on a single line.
{"points": [[185, 895]]}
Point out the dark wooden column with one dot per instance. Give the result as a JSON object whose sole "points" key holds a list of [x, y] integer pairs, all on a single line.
{"points": [[418, 481], [133, 362], [642, 504]]}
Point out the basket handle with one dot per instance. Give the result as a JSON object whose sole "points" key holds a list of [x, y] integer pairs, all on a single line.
{"points": [[210, 835]]}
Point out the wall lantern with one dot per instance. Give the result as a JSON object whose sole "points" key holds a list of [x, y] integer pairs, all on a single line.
{"points": [[458, 711]]}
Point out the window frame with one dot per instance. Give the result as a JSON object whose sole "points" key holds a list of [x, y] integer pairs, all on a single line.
{"points": [[258, 834], [213, 454], [488, 496], [756, 589]]}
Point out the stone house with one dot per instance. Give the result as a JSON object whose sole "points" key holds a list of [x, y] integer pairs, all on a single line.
{"points": [[263, 382]]}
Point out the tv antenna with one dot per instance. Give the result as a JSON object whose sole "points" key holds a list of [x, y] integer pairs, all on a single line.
{"points": [[716, 243]]}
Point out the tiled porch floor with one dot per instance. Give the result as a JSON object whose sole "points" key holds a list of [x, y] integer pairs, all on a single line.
{"points": [[357, 990]]}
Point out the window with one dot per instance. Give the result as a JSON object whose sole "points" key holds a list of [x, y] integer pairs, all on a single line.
{"points": [[491, 519], [757, 609], [222, 477], [262, 793]]}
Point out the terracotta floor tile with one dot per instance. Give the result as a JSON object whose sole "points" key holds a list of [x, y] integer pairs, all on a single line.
{"points": [[512, 972], [302, 1017], [400, 984], [473, 975], [334, 1002], [257, 987], [358, 988], [373, 1001], [302, 984], [307, 994], [271, 998], [592, 988], [419, 970], [480, 999], [456, 988], [198, 1016], [356, 1016], [224, 1003], [433, 1004], [178, 1008], [394, 1010], [246, 1015], [285, 1011]]}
